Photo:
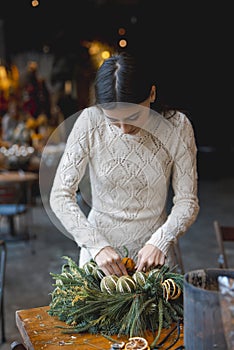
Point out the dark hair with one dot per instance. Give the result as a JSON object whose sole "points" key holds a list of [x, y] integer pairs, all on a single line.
{"points": [[122, 78], [128, 77]]}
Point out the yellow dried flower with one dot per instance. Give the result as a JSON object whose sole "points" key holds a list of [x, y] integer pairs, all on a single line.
{"points": [[77, 298]]}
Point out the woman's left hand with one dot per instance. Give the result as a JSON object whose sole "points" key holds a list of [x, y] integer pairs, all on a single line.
{"points": [[148, 257]]}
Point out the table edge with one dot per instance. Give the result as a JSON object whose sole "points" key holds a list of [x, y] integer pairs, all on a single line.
{"points": [[22, 331]]}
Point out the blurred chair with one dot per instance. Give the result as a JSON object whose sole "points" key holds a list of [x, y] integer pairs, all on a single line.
{"points": [[13, 205], [2, 281], [223, 234]]}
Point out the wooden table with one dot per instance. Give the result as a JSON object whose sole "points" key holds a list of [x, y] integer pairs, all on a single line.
{"points": [[20, 177], [39, 332], [17, 176]]}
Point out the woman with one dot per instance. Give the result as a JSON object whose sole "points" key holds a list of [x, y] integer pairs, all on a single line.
{"points": [[132, 153]]}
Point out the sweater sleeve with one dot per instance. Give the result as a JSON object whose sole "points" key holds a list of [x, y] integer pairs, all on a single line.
{"points": [[65, 185], [184, 183]]}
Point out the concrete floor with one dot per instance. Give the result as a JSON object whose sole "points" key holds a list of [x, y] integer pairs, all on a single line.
{"points": [[28, 282]]}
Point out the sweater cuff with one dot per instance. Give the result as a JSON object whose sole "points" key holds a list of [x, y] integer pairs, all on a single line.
{"points": [[95, 251], [159, 240]]}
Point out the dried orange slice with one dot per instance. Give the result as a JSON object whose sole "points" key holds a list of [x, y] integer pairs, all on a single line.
{"points": [[137, 343]]}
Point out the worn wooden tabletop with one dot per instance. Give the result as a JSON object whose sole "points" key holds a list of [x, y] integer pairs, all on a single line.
{"points": [[40, 331]]}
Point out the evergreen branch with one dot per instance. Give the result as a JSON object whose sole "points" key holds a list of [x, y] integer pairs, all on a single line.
{"points": [[137, 316], [160, 323]]}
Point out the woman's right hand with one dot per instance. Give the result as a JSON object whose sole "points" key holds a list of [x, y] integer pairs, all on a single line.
{"points": [[110, 262]]}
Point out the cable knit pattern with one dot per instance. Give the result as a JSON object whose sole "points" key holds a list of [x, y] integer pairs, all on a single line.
{"points": [[130, 177]]}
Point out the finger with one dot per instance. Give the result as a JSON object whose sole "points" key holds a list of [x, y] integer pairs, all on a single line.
{"points": [[111, 269], [123, 269], [162, 260], [119, 269], [141, 267], [106, 271], [138, 263]]}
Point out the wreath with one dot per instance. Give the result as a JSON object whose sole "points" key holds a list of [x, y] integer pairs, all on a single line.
{"points": [[88, 301]]}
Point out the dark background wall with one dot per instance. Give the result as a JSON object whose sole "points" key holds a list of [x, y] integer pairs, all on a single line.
{"points": [[189, 43]]}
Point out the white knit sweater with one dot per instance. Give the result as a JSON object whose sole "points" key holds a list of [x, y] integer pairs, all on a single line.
{"points": [[130, 177]]}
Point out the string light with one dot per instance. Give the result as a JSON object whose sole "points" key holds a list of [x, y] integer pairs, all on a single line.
{"points": [[122, 31], [35, 3], [123, 43], [105, 54], [98, 51]]}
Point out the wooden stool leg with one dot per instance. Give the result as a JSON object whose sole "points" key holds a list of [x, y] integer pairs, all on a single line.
{"points": [[17, 346]]}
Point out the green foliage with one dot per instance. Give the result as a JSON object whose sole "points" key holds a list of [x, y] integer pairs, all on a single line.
{"points": [[77, 299]]}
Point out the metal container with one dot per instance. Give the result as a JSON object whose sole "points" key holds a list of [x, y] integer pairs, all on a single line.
{"points": [[203, 328]]}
